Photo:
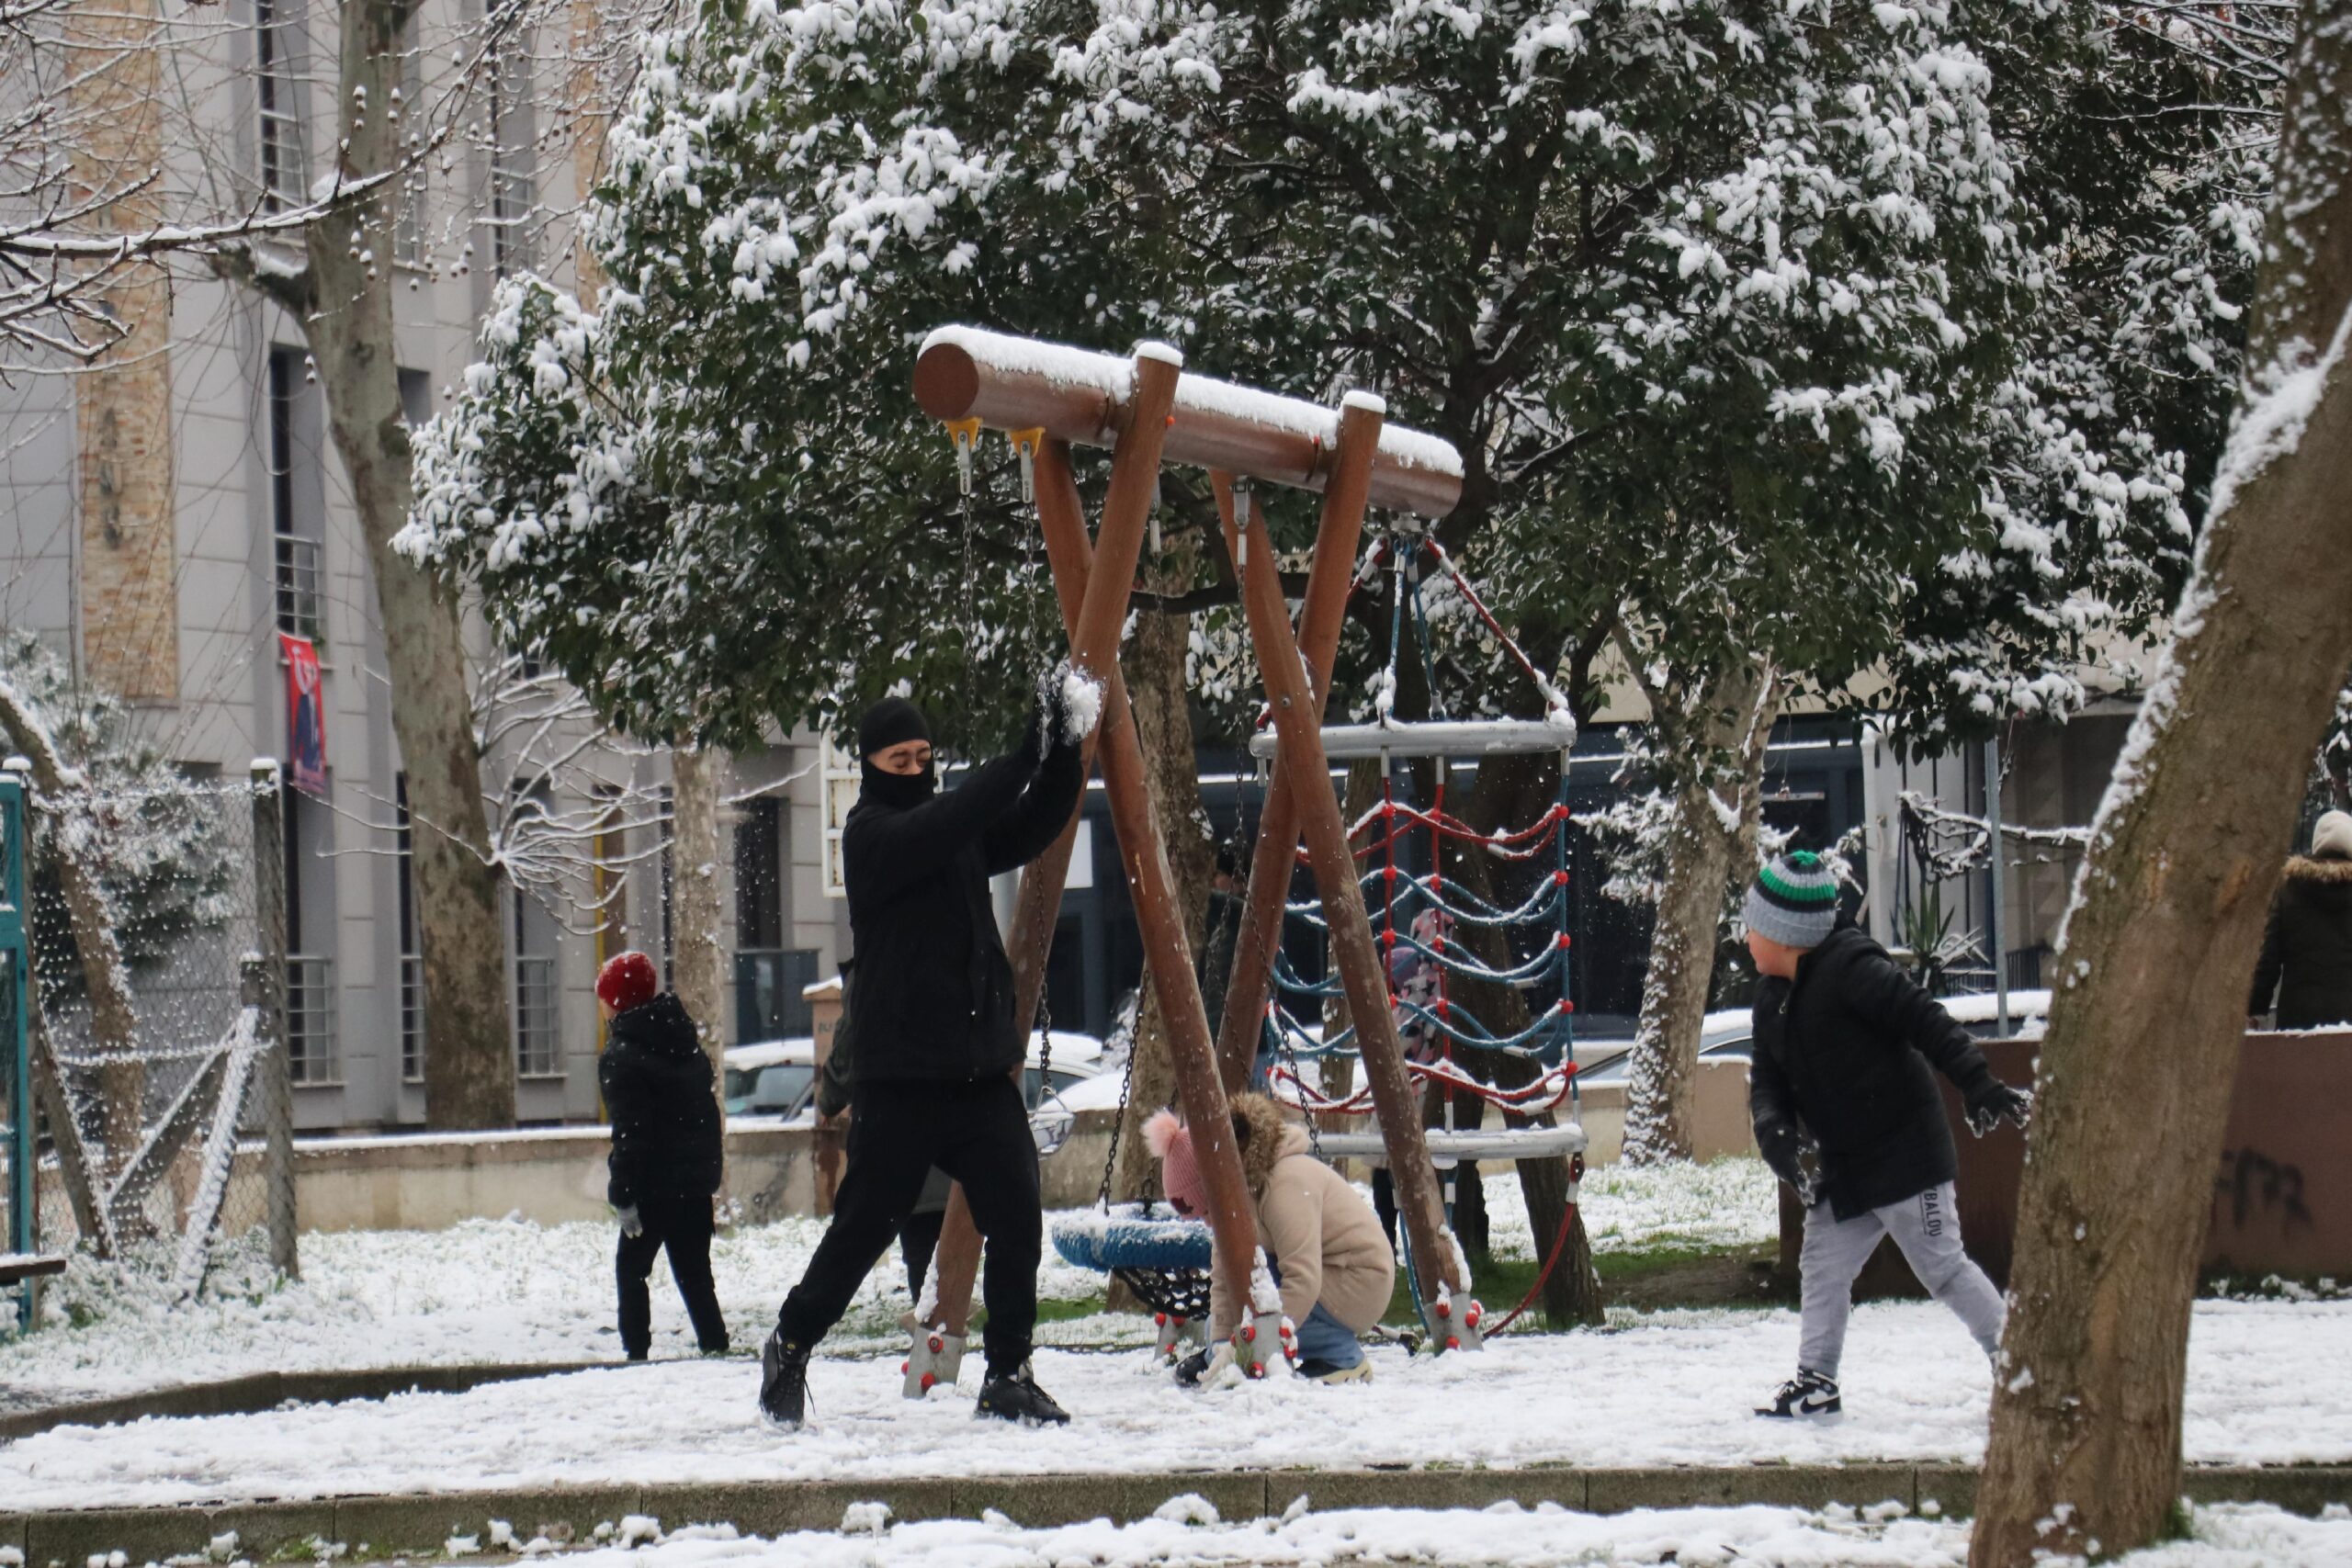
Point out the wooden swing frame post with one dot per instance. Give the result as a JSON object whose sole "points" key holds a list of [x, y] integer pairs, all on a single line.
{"points": [[1298, 724], [1330, 572], [1147, 412]]}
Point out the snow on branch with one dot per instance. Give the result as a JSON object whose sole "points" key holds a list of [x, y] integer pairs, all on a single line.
{"points": [[1953, 844]]}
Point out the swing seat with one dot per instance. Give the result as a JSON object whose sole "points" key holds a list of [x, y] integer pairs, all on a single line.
{"points": [[1128, 1237], [1450, 1148], [1164, 1261]]}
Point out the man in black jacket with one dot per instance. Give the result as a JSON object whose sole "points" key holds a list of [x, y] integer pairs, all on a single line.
{"points": [[938, 1048], [1848, 1113], [665, 1162]]}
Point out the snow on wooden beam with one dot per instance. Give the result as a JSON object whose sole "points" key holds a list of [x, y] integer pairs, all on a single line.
{"points": [[1434, 737], [1013, 383]]}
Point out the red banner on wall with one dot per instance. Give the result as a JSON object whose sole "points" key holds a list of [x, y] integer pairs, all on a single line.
{"points": [[306, 716]]}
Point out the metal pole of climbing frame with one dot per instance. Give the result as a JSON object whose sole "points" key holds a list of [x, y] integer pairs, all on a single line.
{"points": [[16, 1042], [1299, 728], [1330, 573]]}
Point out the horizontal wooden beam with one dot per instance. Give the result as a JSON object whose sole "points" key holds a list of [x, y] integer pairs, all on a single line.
{"points": [[1081, 397]]}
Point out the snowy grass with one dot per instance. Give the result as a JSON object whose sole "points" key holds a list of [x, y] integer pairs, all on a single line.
{"points": [[501, 1291], [2267, 1384], [1188, 1534]]}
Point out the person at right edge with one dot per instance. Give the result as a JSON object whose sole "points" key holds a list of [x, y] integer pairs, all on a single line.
{"points": [[2306, 965], [937, 1043], [1848, 1113]]}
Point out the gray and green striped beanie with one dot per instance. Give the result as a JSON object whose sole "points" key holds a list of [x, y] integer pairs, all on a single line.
{"points": [[1794, 901]]}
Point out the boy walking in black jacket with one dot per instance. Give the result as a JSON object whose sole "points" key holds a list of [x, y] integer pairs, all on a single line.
{"points": [[1847, 1112], [937, 1044], [665, 1161]]}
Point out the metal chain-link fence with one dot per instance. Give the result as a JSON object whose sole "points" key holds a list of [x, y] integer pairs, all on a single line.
{"points": [[183, 1159]]}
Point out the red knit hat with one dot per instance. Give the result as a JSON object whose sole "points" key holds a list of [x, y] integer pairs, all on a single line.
{"points": [[1179, 1169], [628, 980]]}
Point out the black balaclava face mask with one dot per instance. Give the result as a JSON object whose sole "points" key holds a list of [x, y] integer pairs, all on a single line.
{"points": [[887, 724]]}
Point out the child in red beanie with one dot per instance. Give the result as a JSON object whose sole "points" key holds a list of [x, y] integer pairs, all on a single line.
{"points": [[665, 1161]]}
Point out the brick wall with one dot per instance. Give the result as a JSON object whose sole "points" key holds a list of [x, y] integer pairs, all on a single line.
{"points": [[123, 408]]}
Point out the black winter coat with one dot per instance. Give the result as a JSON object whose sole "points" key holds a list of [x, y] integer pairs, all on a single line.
{"points": [[665, 1119], [1843, 1051], [933, 996], [2307, 953]]}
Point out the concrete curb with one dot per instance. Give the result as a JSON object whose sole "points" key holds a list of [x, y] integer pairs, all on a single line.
{"points": [[264, 1391], [376, 1528]]}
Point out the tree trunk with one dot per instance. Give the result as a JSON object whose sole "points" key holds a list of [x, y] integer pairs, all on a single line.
{"points": [[122, 1074], [1154, 666], [1722, 748], [2084, 1450], [345, 301], [698, 961]]}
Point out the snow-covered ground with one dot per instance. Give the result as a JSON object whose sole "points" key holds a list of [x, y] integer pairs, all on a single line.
{"points": [[2266, 1384], [1189, 1535], [502, 1291]]}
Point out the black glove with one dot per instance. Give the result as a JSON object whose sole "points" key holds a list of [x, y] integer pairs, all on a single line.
{"points": [[1786, 1150], [1052, 698], [1994, 1103]]}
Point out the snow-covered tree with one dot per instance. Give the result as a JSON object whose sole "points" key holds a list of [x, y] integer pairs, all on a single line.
{"points": [[2084, 1455]]}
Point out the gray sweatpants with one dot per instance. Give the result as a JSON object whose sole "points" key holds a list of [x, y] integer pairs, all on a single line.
{"points": [[1927, 1230]]}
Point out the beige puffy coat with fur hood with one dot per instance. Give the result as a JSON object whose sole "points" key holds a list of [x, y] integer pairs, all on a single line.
{"points": [[1321, 1233]]}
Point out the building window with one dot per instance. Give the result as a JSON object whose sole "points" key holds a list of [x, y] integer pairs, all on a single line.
{"points": [[298, 560], [669, 889], [514, 183], [841, 778], [537, 1053], [758, 879], [313, 1051], [283, 169], [768, 978], [412, 960]]}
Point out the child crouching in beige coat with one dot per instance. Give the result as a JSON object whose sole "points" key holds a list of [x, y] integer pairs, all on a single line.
{"points": [[1322, 1239]]}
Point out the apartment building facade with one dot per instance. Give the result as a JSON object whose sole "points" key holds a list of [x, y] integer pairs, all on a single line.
{"points": [[165, 517]]}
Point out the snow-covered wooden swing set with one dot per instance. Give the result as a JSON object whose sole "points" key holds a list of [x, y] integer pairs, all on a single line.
{"points": [[1149, 411]]}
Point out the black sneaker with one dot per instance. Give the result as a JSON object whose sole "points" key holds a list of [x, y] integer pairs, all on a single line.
{"points": [[783, 1382], [1808, 1394], [1192, 1367], [1015, 1396]]}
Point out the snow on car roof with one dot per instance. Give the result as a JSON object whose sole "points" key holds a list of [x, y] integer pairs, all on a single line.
{"points": [[1981, 1008], [1070, 1046], [754, 1054]]}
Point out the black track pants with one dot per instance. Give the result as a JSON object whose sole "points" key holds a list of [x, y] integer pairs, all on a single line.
{"points": [[683, 1227], [979, 1134]]}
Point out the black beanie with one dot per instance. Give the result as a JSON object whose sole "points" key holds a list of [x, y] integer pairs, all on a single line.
{"points": [[889, 722]]}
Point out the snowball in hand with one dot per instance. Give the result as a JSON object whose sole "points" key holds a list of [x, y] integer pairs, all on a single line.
{"points": [[1081, 705]]}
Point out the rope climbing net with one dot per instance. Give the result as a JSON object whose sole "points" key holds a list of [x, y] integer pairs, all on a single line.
{"points": [[1430, 924]]}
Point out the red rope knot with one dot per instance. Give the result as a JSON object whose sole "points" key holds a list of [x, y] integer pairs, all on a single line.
{"points": [[1567, 1006], [1444, 1007], [1388, 937], [1559, 878], [1390, 875], [1564, 940]]}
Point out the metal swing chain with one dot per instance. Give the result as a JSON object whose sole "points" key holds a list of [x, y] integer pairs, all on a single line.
{"points": [[965, 433], [1119, 1118]]}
